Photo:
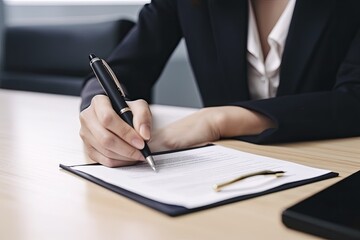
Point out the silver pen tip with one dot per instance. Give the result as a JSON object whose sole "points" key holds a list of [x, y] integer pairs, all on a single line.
{"points": [[150, 161]]}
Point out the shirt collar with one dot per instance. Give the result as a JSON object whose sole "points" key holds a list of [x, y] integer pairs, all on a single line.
{"points": [[277, 35]]}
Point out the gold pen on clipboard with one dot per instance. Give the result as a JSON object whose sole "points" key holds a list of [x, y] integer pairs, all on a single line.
{"points": [[218, 187]]}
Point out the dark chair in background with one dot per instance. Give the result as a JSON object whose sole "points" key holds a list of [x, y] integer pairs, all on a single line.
{"points": [[54, 58]]}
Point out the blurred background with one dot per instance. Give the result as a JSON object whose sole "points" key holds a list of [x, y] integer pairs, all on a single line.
{"points": [[33, 34]]}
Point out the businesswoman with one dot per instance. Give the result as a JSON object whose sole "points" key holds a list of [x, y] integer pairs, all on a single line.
{"points": [[268, 71]]}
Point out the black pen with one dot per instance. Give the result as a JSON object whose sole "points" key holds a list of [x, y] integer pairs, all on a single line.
{"points": [[114, 91]]}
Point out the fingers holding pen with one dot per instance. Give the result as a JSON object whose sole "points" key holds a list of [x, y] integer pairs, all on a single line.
{"points": [[109, 146], [96, 156], [113, 122], [103, 129], [142, 118], [110, 120]]}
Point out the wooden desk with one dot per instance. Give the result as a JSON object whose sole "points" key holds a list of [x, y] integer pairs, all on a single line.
{"points": [[40, 201]]}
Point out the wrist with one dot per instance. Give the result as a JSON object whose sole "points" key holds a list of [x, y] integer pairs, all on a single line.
{"points": [[231, 121]]}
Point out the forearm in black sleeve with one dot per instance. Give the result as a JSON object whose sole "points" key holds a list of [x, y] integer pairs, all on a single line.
{"points": [[90, 89], [141, 56], [140, 59], [317, 115]]}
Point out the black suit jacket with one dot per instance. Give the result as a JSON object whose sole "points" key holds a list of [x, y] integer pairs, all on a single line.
{"points": [[319, 91]]}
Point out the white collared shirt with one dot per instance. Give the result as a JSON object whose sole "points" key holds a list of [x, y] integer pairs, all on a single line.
{"points": [[264, 75]]}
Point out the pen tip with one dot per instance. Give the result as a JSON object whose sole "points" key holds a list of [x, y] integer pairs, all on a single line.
{"points": [[150, 160]]}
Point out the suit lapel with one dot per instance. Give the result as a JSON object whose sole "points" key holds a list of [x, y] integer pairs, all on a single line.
{"points": [[229, 20], [302, 39]]}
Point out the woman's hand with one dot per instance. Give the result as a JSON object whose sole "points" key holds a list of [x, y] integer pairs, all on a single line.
{"points": [[112, 142], [208, 125], [108, 139]]}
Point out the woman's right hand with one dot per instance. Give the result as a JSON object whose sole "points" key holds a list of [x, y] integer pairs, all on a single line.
{"points": [[108, 139]]}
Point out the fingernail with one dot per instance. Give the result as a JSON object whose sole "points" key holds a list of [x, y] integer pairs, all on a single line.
{"points": [[141, 157], [139, 144], [145, 131]]}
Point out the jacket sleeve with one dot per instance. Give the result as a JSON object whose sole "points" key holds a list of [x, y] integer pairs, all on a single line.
{"points": [[317, 115], [141, 56]]}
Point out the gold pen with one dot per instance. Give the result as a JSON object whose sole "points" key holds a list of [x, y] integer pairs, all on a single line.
{"points": [[219, 186]]}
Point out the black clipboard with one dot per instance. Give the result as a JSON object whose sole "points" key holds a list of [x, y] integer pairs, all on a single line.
{"points": [[175, 210], [333, 213]]}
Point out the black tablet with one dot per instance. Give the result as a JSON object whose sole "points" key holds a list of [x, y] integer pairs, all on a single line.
{"points": [[333, 213]]}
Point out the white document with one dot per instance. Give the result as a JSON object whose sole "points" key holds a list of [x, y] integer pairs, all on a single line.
{"points": [[186, 178]]}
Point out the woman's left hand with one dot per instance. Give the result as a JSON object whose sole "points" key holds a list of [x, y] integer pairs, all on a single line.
{"points": [[208, 125]]}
